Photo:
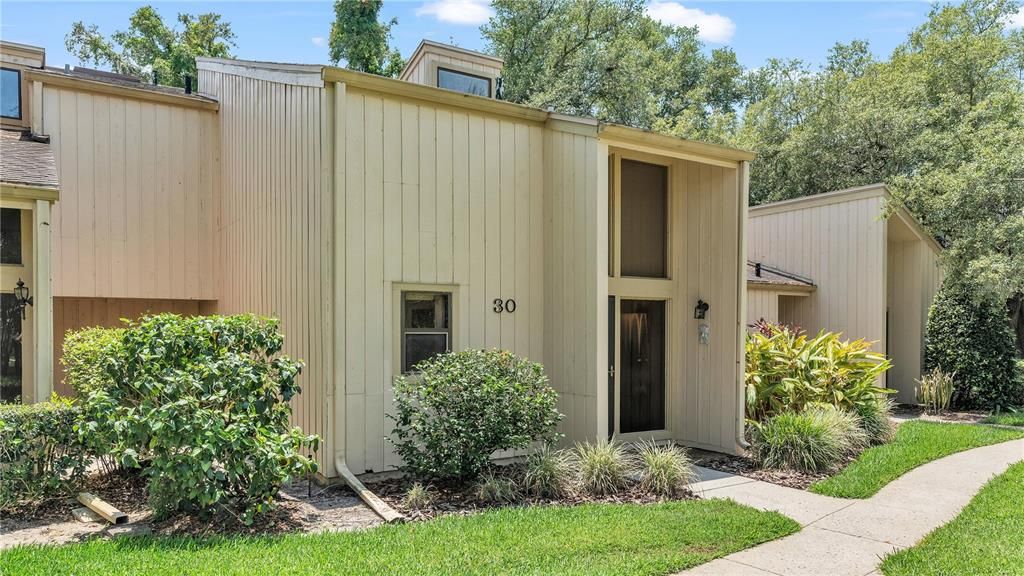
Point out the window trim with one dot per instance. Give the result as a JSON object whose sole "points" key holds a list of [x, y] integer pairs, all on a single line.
{"points": [[398, 320], [434, 66], [21, 112]]}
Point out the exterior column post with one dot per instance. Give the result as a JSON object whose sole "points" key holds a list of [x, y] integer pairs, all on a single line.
{"points": [[42, 308]]}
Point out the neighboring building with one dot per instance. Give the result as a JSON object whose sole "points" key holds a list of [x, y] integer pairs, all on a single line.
{"points": [[384, 221], [848, 262]]}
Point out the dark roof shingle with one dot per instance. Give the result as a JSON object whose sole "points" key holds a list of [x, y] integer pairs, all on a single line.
{"points": [[26, 161]]}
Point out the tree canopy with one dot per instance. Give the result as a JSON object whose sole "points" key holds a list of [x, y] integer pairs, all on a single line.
{"points": [[609, 60], [149, 46], [361, 40]]}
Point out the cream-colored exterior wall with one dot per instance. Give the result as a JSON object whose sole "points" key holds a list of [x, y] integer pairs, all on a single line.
{"points": [[136, 217], [274, 234], [914, 278], [762, 304], [863, 261]]}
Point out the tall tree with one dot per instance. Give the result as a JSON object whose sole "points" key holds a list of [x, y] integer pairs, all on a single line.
{"points": [[361, 40], [609, 60], [149, 46]]}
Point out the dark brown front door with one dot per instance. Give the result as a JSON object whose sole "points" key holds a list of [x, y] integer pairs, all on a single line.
{"points": [[641, 367]]}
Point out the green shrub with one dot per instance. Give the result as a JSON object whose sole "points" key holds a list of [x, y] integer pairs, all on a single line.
{"points": [[603, 467], [814, 440], [495, 489], [85, 356], [934, 391], [876, 421], [41, 456], [418, 497], [549, 472], [462, 407], [665, 470], [787, 371], [970, 337], [204, 401]]}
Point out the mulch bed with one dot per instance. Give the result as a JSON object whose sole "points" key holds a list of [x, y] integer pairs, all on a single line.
{"points": [[460, 499], [746, 467], [299, 508], [910, 412]]}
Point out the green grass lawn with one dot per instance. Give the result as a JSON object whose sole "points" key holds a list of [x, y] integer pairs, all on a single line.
{"points": [[986, 538], [591, 539], [1006, 419], [916, 443]]}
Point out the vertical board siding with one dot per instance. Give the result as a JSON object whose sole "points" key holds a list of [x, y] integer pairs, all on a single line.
{"points": [[438, 197], [841, 248], [571, 256], [912, 282], [274, 224], [135, 217], [75, 313]]}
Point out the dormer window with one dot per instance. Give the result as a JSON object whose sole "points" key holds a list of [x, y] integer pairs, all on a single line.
{"points": [[463, 82], [10, 93]]}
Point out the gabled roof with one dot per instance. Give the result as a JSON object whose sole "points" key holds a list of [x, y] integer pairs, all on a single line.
{"points": [[764, 276]]}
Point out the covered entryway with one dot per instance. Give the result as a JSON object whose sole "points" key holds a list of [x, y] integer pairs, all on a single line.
{"points": [[28, 188]]}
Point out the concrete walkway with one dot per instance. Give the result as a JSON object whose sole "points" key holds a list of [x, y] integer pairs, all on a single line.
{"points": [[850, 537]]}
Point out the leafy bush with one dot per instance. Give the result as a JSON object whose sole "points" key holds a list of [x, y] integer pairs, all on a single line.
{"points": [[205, 401], [787, 371], [418, 497], [876, 421], [462, 407], [934, 391], [40, 455], [603, 467], [664, 470], [85, 357], [495, 489], [814, 440], [970, 337], [549, 472]]}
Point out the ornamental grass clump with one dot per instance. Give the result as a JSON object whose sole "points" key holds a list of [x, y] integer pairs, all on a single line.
{"points": [[418, 497], [815, 440], [876, 421], [494, 489], [603, 467], [665, 470], [549, 472]]}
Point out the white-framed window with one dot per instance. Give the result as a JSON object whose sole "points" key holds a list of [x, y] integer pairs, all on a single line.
{"points": [[10, 93], [463, 82], [426, 328]]}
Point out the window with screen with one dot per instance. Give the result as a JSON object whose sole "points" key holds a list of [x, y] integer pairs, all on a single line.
{"points": [[644, 214], [10, 93], [426, 327], [463, 82], [10, 236]]}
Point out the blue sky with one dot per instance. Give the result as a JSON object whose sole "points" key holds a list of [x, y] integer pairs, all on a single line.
{"points": [[296, 31]]}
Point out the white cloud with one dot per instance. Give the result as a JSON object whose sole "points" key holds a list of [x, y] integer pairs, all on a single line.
{"points": [[710, 27], [1017, 20], [472, 12], [318, 40]]}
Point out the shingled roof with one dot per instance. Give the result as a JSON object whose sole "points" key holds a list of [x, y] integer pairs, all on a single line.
{"points": [[27, 161], [759, 274]]}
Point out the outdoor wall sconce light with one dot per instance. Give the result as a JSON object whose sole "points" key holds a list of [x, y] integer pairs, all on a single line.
{"points": [[22, 297], [700, 311]]}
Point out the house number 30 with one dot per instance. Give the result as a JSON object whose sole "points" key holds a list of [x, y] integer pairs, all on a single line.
{"points": [[504, 305]]}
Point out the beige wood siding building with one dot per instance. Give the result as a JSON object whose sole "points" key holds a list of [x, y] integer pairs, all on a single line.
{"points": [[386, 220], [875, 270]]}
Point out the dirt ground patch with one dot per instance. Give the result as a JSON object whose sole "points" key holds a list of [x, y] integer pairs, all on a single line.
{"points": [[905, 412], [744, 466], [301, 508]]}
